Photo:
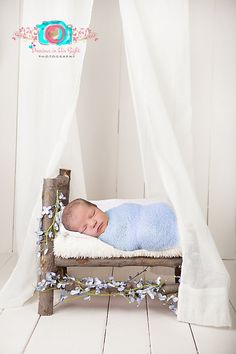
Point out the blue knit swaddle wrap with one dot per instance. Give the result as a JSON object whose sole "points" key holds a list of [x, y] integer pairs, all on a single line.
{"points": [[132, 226]]}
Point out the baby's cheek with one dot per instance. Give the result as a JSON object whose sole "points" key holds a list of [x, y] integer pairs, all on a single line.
{"points": [[78, 227]]}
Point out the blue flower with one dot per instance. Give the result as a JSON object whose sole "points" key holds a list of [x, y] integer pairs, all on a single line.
{"points": [[46, 210], [97, 281], [61, 285], [61, 196], [63, 295], [87, 298], [50, 214], [111, 285], [121, 288], [131, 299], [161, 297], [75, 291]]}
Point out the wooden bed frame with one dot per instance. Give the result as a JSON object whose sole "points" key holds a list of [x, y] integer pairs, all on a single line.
{"points": [[50, 263]]}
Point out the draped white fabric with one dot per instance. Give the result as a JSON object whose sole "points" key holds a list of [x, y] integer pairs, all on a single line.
{"points": [[156, 37], [47, 136]]}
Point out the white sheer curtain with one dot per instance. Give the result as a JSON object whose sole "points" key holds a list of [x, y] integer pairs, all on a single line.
{"points": [[156, 38], [46, 135]]}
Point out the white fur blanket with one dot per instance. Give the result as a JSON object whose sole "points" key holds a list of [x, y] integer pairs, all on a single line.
{"points": [[70, 244]]}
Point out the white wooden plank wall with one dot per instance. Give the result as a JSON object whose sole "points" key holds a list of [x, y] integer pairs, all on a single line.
{"points": [[9, 21], [222, 186], [99, 102], [213, 34]]}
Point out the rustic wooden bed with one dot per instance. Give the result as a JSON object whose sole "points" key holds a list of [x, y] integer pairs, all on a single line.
{"points": [[51, 263]]}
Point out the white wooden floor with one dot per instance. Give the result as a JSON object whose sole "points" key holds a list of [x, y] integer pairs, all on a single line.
{"points": [[109, 325]]}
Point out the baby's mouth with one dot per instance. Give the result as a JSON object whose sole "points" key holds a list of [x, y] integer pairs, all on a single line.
{"points": [[99, 227]]}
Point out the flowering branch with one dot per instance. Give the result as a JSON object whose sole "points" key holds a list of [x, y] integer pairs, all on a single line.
{"points": [[89, 286], [53, 213]]}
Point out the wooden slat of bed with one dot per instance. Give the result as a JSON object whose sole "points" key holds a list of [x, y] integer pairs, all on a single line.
{"points": [[118, 262]]}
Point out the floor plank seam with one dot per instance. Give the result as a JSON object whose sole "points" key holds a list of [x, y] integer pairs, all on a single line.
{"points": [[105, 331], [232, 305], [59, 301], [32, 332], [108, 308], [149, 334], [195, 344]]}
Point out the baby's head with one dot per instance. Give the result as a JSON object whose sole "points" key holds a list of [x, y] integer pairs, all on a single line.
{"points": [[85, 217]]}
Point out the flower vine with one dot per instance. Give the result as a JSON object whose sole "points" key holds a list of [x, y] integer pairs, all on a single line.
{"points": [[52, 212]]}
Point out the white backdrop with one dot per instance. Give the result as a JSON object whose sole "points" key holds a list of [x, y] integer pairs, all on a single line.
{"points": [[169, 148]]}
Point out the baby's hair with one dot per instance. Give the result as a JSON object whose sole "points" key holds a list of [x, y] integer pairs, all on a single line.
{"points": [[67, 211]]}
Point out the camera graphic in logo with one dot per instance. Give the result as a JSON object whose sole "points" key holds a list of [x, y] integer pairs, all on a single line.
{"points": [[54, 32]]}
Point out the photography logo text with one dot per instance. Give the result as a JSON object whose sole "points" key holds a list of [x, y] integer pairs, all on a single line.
{"points": [[55, 39]]}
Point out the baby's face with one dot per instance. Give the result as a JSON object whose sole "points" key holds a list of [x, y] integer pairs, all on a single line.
{"points": [[89, 220]]}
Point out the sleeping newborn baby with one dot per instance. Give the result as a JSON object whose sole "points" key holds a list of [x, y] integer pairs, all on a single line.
{"points": [[128, 227]]}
